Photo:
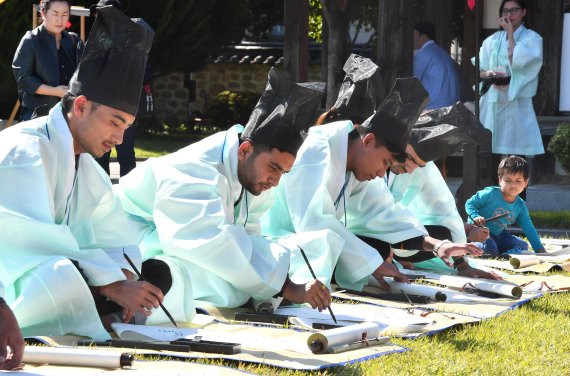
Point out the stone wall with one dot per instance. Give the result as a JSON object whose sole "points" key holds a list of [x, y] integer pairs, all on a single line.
{"points": [[171, 96], [171, 99]]}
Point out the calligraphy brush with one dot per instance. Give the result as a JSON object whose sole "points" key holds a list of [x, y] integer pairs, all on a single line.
{"points": [[315, 277], [142, 279]]}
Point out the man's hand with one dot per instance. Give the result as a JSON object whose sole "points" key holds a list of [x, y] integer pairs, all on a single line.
{"points": [[465, 270], [314, 292], [134, 296], [11, 336], [478, 234], [447, 250], [388, 269]]}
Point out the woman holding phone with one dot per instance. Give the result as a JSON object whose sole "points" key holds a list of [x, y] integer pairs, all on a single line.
{"points": [[510, 61]]}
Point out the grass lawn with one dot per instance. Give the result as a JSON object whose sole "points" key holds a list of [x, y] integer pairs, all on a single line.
{"points": [[531, 340], [157, 146]]}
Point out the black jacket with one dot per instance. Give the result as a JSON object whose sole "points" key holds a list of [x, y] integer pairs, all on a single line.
{"points": [[35, 63]]}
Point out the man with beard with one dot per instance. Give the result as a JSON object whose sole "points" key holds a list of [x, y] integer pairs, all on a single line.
{"points": [[62, 232], [199, 208]]}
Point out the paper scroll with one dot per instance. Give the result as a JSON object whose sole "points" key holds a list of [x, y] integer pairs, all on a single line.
{"points": [[433, 293], [77, 357], [522, 261], [505, 289], [327, 341]]}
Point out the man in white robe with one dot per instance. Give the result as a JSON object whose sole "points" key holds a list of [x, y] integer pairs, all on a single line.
{"points": [[62, 232], [199, 208], [327, 206], [418, 184]]}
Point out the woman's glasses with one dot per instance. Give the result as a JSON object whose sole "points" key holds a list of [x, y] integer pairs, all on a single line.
{"points": [[513, 11]]}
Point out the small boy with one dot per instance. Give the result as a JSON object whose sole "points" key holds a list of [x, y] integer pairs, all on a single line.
{"points": [[492, 201]]}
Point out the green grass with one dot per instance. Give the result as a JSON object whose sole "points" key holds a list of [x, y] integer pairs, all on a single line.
{"points": [[552, 220], [150, 147], [529, 340]]}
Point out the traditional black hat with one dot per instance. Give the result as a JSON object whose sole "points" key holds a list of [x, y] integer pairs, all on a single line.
{"points": [[357, 98], [398, 112], [441, 132], [103, 3], [113, 63], [284, 111]]}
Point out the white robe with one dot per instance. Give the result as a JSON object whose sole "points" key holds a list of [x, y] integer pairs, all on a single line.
{"points": [[184, 203], [50, 213], [305, 212], [509, 113], [426, 195]]}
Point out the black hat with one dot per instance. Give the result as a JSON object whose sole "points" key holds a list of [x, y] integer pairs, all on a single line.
{"points": [[357, 98], [283, 113], [104, 3], [441, 132], [113, 63], [390, 130], [398, 112], [425, 27]]}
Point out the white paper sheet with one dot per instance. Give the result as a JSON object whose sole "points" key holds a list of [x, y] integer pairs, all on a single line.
{"points": [[151, 333], [157, 333], [391, 321]]}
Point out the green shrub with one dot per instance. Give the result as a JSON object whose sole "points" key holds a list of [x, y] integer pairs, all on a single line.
{"points": [[230, 108], [560, 146]]}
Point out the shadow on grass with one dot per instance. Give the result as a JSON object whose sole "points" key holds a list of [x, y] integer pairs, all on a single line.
{"points": [[545, 306]]}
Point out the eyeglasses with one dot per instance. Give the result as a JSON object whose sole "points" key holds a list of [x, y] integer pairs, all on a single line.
{"points": [[513, 11]]}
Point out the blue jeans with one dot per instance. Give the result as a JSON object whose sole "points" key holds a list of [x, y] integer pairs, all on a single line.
{"points": [[497, 244]]}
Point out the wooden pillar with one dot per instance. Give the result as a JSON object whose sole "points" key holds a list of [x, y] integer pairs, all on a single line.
{"points": [[471, 163], [82, 29], [296, 40], [546, 18], [336, 13], [395, 41], [35, 11]]}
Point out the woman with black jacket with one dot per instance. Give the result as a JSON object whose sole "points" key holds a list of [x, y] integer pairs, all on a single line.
{"points": [[46, 59]]}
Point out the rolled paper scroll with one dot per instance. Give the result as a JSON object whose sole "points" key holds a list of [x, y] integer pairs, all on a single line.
{"points": [[66, 356], [522, 261], [327, 341], [433, 293], [505, 289]]}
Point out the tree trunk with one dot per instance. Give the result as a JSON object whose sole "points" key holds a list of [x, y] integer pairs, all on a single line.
{"points": [[325, 51], [296, 39], [395, 41], [336, 13]]}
